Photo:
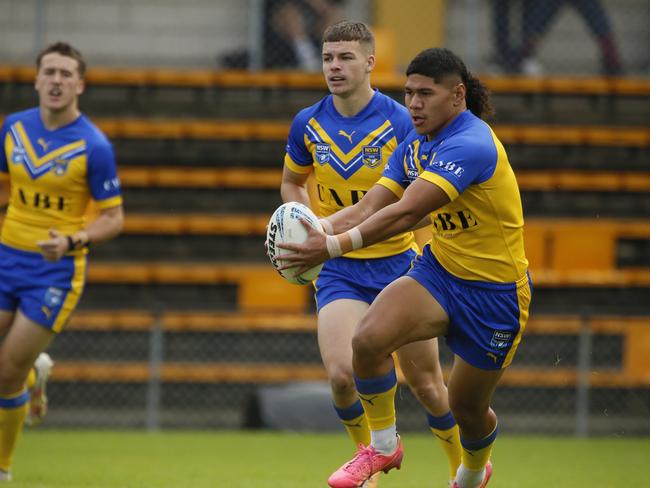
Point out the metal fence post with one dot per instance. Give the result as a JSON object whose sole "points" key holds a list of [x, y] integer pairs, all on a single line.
{"points": [[582, 383], [152, 420], [255, 34], [472, 24], [39, 25]]}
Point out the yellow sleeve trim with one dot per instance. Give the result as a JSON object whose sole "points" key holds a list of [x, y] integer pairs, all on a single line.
{"points": [[393, 186], [296, 168], [438, 180], [110, 202]]}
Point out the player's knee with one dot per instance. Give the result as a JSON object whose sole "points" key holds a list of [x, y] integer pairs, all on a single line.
{"points": [[364, 343], [368, 341], [428, 392], [341, 381], [12, 376], [466, 412]]}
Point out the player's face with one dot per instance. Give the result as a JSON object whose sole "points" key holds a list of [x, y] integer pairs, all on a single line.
{"points": [[433, 105], [58, 82], [346, 66]]}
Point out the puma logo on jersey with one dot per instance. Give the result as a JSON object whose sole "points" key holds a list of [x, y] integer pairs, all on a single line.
{"points": [[345, 134], [43, 143]]}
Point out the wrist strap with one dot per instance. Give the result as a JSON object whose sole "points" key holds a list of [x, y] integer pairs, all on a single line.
{"points": [[74, 245], [355, 238], [333, 246], [340, 244]]}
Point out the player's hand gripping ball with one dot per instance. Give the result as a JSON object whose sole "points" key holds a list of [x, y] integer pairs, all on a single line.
{"points": [[285, 227]]}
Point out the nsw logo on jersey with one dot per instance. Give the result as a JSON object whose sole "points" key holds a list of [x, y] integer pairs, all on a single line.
{"points": [[60, 166], [371, 156], [322, 152], [18, 155]]}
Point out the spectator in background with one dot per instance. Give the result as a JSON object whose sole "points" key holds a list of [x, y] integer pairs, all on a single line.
{"points": [[292, 34], [536, 20], [294, 31]]}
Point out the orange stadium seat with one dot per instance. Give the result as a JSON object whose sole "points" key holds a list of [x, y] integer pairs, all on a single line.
{"points": [[386, 80]]}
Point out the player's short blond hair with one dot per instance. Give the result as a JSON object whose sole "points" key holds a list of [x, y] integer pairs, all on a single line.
{"points": [[346, 30]]}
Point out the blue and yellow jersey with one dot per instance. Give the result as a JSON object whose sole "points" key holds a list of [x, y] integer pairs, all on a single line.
{"points": [[348, 155], [478, 235], [53, 175]]}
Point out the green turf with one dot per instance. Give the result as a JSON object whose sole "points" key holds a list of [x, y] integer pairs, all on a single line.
{"points": [[98, 459]]}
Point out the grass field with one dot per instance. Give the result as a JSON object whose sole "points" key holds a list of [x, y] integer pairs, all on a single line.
{"points": [[131, 459]]}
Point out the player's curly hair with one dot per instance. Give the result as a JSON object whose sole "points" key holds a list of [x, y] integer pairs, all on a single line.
{"points": [[346, 30], [64, 49], [439, 62]]}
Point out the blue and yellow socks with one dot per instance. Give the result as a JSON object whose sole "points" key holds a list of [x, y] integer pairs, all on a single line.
{"points": [[356, 423], [378, 399], [13, 409], [476, 454], [446, 431]]}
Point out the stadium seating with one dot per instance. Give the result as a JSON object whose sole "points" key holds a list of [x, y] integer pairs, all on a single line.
{"points": [[200, 156], [387, 81]]}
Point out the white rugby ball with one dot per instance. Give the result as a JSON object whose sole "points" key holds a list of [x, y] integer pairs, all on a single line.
{"points": [[285, 227]]}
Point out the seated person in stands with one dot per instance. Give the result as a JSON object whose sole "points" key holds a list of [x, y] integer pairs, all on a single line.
{"points": [[292, 34], [57, 161]]}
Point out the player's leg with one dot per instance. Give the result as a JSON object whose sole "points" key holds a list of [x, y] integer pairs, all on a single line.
{"points": [[421, 367], [470, 393], [18, 351], [403, 312], [336, 323], [6, 318]]}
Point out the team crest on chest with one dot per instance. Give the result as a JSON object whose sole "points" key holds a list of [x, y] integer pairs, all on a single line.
{"points": [[60, 166], [371, 156], [322, 152], [18, 155]]}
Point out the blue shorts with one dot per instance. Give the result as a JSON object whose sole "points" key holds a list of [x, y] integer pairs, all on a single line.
{"points": [[359, 279], [486, 320], [46, 293]]}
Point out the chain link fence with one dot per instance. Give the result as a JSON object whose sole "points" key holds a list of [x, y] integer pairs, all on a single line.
{"points": [[563, 389]]}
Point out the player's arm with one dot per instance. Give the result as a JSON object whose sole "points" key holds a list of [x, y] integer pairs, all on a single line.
{"points": [[294, 186], [419, 199], [372, 202], [377, 198], [107, 225]]}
